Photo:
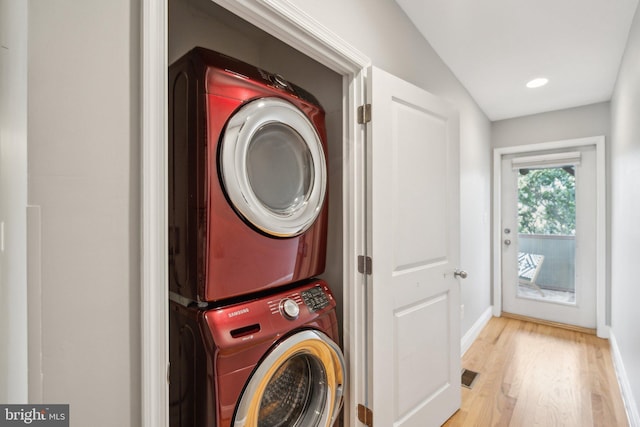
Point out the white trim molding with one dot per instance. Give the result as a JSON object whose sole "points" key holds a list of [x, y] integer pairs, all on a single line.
{"points": [[625, 387], [291, 25], [154, 293], [601, 221], [472, 334]]}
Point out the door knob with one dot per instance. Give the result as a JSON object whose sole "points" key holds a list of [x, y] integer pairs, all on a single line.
{"points": [[460, 273], [507, 242]]}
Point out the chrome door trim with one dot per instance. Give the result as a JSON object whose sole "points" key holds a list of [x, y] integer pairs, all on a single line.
{"points": [[234, 149], [307, 342]]}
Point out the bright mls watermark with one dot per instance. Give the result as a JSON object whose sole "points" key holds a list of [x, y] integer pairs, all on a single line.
{"points": [[34, 415]]}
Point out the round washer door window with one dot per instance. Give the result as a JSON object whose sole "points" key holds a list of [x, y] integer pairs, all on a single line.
{"points": [[299, 384], [273, 167]]}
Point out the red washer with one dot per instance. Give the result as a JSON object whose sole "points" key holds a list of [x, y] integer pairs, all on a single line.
{"points": [[247, 179], [251, 363]]}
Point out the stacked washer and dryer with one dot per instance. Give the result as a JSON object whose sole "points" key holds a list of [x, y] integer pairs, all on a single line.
{"points": [[253, 333]]}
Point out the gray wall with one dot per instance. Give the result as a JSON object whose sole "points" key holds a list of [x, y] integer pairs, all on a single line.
{"points": [[625, 205], [13, 201], [84, 170], [588, 120]]}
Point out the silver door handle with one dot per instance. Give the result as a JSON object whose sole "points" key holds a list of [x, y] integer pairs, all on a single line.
{"points": [[507, 242], [460, 273]]}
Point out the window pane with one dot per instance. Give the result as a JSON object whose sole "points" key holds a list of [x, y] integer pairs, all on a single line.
{"points": [[547, 229]]}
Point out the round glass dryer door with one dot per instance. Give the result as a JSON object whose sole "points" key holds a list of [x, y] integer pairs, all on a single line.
{"points": [[273, 167], [299, 384]]}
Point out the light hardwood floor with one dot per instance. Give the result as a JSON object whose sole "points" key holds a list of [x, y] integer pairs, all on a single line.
{"points": [[538, 375]]}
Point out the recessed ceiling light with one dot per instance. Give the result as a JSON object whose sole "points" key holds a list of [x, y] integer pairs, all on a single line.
{"points": [[541, 81]]}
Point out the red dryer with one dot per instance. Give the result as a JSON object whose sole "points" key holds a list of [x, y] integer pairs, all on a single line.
{"points": [[270, 361], [247, 179]]}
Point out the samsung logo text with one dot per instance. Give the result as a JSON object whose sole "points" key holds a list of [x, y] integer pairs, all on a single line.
{"points": [[239, 312]]}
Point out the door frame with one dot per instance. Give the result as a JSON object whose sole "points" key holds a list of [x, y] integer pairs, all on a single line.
{"points": [[602, 329], [293, 26]]}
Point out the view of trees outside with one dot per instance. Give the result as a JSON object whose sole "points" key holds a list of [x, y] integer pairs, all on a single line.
{"points": [[547, 201]]}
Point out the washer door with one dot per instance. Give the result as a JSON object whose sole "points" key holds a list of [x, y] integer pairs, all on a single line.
{"points": [[273, 167], [299, 384]]}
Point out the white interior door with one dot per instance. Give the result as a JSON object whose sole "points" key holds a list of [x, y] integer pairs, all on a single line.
{"points": [[413, 144], [549, 235]]}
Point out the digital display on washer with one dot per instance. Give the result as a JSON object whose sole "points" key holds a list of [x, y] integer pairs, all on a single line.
{"points": [[315, 299]]}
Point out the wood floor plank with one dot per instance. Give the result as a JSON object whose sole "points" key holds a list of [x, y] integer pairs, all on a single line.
{"points": [[539, 375]]}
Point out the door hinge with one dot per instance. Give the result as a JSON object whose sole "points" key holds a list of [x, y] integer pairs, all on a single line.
{"points": [[365, 415], [364, 114], [365, 264]]}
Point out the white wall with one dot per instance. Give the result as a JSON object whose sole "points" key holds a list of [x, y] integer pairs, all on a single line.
{"points": [[385, 34], [13, 201], [625, 205], [84, 171]]}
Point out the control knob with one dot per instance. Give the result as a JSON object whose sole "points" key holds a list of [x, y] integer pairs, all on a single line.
{"points": [[289, 309]]}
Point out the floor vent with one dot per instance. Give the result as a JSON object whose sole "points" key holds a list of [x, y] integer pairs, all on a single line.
{"points": [[468, 378]]}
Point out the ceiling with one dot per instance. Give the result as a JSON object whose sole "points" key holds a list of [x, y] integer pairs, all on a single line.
{"points": [[494, 47]]}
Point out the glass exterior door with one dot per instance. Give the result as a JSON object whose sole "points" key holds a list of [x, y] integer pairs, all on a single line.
{"points": [[548, 203]]}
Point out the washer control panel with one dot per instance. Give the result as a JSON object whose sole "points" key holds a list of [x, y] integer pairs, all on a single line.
{"points": [[315, 299], [301, 304], [310, 305]]}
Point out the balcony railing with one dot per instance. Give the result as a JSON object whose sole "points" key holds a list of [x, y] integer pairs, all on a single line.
{"points": [[558, 269]]}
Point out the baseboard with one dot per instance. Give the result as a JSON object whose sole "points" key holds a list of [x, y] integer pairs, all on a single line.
{"points": [[627, 394], [549, 323], [474, 331]]}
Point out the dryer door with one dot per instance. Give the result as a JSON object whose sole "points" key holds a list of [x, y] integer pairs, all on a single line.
{"points": [[273, 167], [299, 384]]}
